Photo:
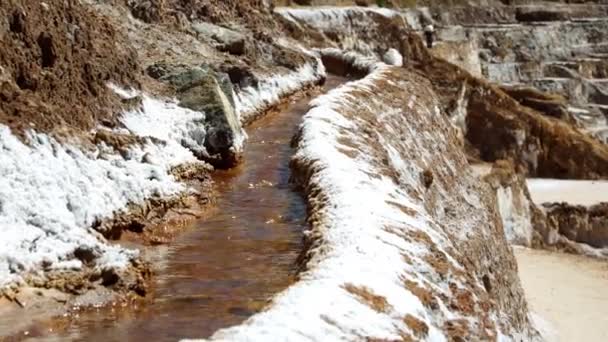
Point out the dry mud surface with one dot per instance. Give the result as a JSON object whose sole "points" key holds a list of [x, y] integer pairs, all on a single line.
{"points": [[568, 291], [576, 192]]}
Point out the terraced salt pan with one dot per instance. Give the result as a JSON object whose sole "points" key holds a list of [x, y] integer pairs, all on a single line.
{"points": [[568, 291], [577, 192]]}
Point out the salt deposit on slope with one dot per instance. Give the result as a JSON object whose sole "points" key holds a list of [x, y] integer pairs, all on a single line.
{"points": [[330, 17], [516, 216], [270, 90], [51, 193], [354, 285], [393, 57]]}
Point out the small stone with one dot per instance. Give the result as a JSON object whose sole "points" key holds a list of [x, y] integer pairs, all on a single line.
{"points": [[148, 159]]}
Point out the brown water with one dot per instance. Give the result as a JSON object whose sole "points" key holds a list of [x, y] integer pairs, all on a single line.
{"points": [[227, 266]]}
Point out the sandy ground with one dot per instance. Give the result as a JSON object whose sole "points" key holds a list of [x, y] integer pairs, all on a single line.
{"points": [[568, 291], [571, 191]]}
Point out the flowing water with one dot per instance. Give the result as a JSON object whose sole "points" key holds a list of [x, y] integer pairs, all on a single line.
{"points": [[228, 265]]}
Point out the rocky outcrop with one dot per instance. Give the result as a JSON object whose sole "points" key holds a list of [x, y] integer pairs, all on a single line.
{"points": [[551, 105], [514, 204], [578, 229], [558, 49], [201, 89]]}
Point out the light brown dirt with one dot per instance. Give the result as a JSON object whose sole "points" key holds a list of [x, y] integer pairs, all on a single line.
{"points": [[567, 290]]}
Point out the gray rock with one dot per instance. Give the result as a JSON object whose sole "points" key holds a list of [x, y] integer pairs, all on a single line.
{"points": [[485, 55], [211, 93], [219, 138], [228, 40], [183, 77], [240, 76]]}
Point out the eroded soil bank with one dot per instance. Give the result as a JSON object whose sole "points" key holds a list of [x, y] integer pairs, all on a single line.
{"points": [[231, 263]]}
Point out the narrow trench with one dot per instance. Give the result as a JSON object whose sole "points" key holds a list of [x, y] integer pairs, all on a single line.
{"points": [[231, 263]]}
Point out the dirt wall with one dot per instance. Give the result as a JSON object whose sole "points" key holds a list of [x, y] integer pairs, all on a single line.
{"points": [[55, 60]]}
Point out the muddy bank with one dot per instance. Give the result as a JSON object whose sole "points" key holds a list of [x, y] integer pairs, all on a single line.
{"points": [[55, 61]]}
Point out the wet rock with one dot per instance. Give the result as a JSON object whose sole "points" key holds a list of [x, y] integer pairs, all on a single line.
{"points": [[240, 76], [229, 41], [211, 92]]}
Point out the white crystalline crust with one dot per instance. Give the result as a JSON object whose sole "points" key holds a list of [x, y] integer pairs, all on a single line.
{"points": [[356, 234], [393, 57], [270, 90], [51, 193]]}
